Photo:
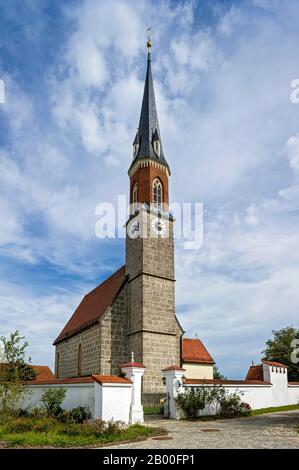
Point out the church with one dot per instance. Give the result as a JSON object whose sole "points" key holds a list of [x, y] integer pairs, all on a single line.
{"points": [[133, 311]]}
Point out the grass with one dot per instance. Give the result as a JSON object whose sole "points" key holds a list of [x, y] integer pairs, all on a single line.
{"points": [[259, 411], [151, 410], [41, 432], [274, 409]]}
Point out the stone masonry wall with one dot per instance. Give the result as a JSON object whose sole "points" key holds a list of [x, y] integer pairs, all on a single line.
{"points": [[114, 343], [151, 253], [158, 304], [159, 351], [154, 334], [68, 353]]}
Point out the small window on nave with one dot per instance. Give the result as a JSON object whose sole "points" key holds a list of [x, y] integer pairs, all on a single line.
{"points": [[80, 359], [58, 365]]}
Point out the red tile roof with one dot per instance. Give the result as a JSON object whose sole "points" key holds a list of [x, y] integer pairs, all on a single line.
{"points": [[43, 373], [94, 305], [275, 364], [255, 373], [111, 379], [82, 380], [134, 364], [173, 367], [194, 351], [226, 382], [66, 380]]}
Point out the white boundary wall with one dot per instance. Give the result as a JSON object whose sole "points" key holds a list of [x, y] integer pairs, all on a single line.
{"points": [[76, 395], [104, 401], [277, 393]]}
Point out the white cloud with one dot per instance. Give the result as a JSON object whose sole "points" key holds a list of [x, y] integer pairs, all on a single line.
{"points": [[36, 316], [292, 149], [88, 60], [229, 21]]}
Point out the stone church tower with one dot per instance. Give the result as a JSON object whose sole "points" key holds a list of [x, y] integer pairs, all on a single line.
{"points": [[134, 309], [153, 330]]}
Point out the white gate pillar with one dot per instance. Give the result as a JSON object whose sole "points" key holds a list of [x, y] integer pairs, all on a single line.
{"points": [[173, 376], [134, 372]]}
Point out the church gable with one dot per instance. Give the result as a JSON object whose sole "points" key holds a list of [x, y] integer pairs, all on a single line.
{"points": [[94, 305]]}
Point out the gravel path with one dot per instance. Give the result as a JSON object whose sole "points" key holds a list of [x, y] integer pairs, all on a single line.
{"points": [[273, 430]]}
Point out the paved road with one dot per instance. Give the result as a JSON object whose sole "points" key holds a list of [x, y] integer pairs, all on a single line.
{"points": [[273, 430]]}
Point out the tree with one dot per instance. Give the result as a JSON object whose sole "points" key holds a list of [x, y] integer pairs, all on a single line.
{"points": [[14, 371], [217, 374], [52, 399], [281, 349]]}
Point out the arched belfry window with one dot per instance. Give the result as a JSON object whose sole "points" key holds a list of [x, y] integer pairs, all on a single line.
{"points": [[80, 359], [157, 192], [135, 196], [157, 147]]}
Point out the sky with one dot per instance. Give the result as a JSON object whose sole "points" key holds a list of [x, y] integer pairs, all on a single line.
{"points": [[74, 74]]}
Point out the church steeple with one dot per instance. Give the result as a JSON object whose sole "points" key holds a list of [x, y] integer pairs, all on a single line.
{"points": [[148, 131], [149, 170]]}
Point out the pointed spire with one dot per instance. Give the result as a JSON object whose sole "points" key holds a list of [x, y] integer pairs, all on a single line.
{"points": [[148, 130]]}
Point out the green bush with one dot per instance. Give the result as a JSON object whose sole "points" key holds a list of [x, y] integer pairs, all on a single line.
{"points": [[113, 428], [52, 399], [97, 428], [217, 399], [76, 415], [79, 414], [194, 400], [230, 404]]}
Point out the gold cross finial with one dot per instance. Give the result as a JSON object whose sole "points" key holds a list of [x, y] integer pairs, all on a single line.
{"points": [[149, 42]]}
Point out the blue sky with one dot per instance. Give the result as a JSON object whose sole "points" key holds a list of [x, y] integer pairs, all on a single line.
{"points": [[74, 74]]}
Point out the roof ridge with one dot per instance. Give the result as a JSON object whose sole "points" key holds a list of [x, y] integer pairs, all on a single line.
{"points": [[94, 304], [103, 282]]}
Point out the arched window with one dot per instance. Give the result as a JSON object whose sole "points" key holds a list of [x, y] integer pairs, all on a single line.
{"points": [[58, 365], [157, 147], [80, 359], [135, 149], [135, 196], [157, 192]]}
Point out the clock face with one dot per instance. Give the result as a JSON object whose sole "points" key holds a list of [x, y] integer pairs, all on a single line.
{"points": [[159, 226], [134, 228]]}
